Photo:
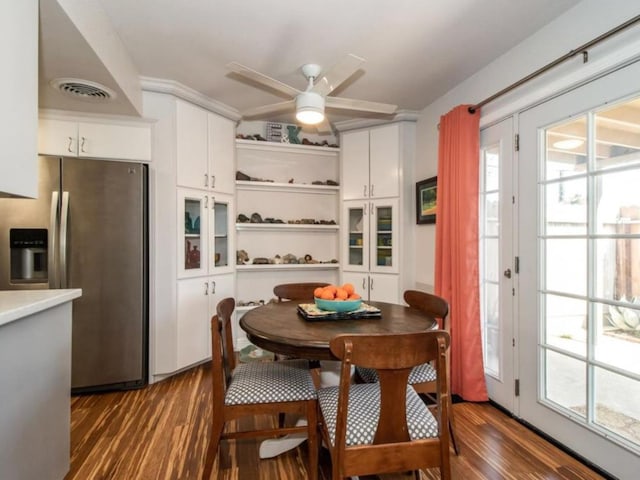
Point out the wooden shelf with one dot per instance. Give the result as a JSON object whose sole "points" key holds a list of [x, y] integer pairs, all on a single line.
{"points": [[247, 185], [291, 227], [288, 266], [286, 147]]}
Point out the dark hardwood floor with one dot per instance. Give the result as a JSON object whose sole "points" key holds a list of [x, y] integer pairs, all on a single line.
{"points": [[162, 432]]}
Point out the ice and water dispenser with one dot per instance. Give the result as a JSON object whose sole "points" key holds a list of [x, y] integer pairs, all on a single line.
{"points": [[28, 255]]}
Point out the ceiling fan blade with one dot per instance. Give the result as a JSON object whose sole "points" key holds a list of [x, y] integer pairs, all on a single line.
{"points": [[337, 74], [324, 127], [273, 108], [360, 105], [262, 78]]}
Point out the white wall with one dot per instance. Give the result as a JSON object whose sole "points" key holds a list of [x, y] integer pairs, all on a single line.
{"points": [[576, 27]]}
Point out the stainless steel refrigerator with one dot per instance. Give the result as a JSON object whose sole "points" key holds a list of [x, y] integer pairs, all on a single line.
{"points": [[87, 229]]}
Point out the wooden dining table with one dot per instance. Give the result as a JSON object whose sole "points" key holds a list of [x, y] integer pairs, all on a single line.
{"points": [[279, 328]]}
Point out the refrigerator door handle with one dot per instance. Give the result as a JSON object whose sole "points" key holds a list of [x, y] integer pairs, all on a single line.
{"points": [[53, 242], [64, 223]]}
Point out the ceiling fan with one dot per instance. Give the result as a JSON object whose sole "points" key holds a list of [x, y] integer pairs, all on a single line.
{"points": [[310, 104]]}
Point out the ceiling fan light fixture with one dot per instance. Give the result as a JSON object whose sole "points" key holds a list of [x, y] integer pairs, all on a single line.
{"points": [[310, 108]]}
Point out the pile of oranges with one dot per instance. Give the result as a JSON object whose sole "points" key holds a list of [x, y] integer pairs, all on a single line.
{"points": [[333, 292]]}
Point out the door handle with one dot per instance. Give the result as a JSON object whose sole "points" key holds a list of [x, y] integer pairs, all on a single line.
{"points": [[64, 224], [507, 273], [53, 242]]}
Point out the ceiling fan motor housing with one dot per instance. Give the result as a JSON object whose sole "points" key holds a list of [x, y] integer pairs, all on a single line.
{"points": [[310, 107]]}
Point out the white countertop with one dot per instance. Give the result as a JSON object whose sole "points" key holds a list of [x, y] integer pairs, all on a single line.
{"points": [[17, 304]]}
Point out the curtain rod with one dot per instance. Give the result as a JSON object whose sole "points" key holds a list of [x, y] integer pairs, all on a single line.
{"points": [[581, 49]]}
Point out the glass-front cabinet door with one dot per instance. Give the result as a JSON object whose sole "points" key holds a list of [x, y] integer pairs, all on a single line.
{"points": [[192, 228], [370, 243], [384, 236], [356, 244], [221, 219]]}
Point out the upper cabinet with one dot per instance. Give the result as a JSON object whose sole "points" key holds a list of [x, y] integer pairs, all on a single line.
{"points": [[95, 139], [374, 162], [19, 98], [205, 145]]}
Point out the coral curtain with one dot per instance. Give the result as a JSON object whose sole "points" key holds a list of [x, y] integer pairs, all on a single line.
{"points": [[456, 268]]}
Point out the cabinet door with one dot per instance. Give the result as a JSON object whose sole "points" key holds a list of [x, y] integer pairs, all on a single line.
{"points": [[191, 146], [220, 286], [193, 344], [384, 288], [130, 142], [57, 137], [192, 233], [222, 150], [355, 238], [355, 164], [221, 233], [360, 281], [384, 236], [384, 161]]}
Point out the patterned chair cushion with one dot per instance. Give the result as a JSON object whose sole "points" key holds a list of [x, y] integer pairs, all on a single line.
{"points": [[364, 410], [268, 382], [420, 374]]}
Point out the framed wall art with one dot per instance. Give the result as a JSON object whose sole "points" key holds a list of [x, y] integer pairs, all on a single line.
{"points": [[426, 196]]}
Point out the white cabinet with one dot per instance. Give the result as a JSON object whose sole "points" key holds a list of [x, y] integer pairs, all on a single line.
{"points": [[19, 98], [375, 287], [205, 233], [377, 211], [374, 164], [205, 149], [94, 139], [197, 300], [371, 236]]}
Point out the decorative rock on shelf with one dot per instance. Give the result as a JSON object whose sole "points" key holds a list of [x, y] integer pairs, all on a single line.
{"points": [[256, 218]]}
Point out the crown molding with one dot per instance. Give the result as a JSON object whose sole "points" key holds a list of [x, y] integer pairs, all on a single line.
{"points": [[179, 90], [401, 116]]}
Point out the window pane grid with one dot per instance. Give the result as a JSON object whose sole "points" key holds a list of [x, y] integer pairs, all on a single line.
{"points": [[589, 243]]}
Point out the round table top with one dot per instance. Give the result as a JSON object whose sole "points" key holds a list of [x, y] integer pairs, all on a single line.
{"points": [[278, 328]]}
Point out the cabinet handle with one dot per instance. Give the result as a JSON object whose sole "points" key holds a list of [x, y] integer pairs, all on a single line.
{"points": [[364, 191], [213, 287], [206, 202], [206, 288], [364, 209], [206, 180], [364, 284], [69, 146], [82, 145], [371, 190], [370, 283], [213, 181]]}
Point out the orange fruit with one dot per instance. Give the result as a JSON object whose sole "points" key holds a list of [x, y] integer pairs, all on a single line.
{"points": [[326, 294], [341, 294], [354, 296], [317, 292], [331, 288], [350, 289]]}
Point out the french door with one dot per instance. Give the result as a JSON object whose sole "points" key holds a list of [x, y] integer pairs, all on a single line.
{"points": [[579, 280], [497, 292]]}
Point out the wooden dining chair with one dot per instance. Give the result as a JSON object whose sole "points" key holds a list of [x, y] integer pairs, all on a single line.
{"points": [[384, 427], [423, 377], [258, 388], [296, 291]]}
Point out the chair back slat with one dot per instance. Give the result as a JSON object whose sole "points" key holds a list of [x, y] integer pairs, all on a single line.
{"points": [[222, 357], [297, 291], [432, 305]]}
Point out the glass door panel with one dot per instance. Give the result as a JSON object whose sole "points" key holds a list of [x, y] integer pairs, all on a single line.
{"points": [[356, 256], [384, 251], [220, 234], [192, 233]]}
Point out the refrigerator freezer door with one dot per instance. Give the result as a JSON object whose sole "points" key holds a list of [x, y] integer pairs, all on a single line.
{"points": [[105, 256], [26, 213]]}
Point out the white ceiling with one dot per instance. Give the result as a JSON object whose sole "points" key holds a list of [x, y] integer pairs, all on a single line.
{"points": [[415, 50]]}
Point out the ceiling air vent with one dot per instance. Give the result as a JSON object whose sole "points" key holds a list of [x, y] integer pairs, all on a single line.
{"points": [[83, 89]]}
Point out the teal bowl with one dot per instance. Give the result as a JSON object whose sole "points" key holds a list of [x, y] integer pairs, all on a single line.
{"points": [[338, 305]]}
